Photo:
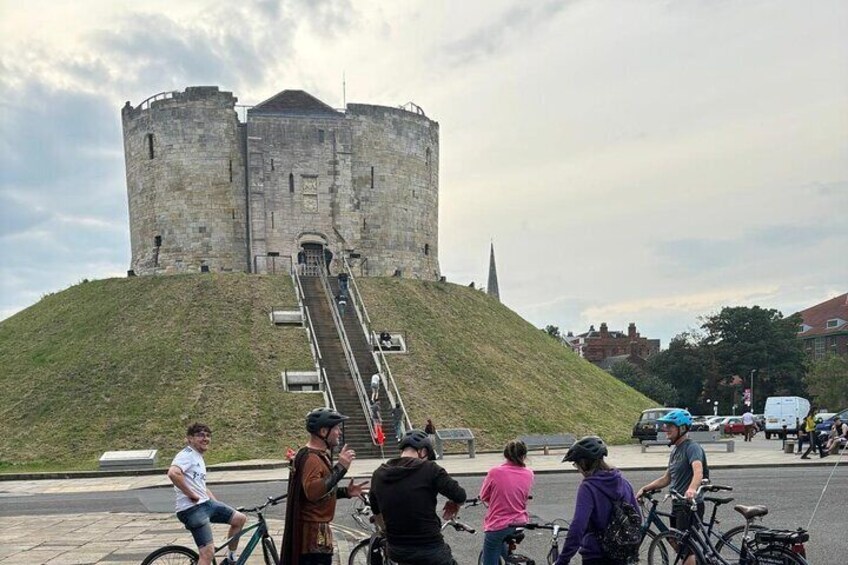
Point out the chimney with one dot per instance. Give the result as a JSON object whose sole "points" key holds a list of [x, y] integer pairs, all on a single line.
{"points": [[604, 332], [631, 330]]}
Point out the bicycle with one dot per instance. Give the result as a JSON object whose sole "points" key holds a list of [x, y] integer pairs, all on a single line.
{"points": [[764, 547], [513, 540], [726, 542], [179, 554], [373, 550]]}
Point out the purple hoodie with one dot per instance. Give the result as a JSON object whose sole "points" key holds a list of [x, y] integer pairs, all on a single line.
{"points": [[592, 513]]}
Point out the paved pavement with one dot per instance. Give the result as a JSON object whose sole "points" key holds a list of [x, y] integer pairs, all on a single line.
{"points": [[117, 538]]}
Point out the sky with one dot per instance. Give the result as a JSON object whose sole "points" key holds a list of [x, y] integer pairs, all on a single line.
{"points": [[645, 162]]}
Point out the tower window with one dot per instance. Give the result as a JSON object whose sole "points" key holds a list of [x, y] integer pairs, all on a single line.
{"points": [[291, 182], [427, 157], [231, 170], [426, 249], [272, 220], [272, 164], [157, 241], [320, 136], [149, 137], [372, 177]]}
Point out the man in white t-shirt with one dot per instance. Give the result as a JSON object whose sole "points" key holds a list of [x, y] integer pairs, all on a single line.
{"points": [[375, 387], [195, 504], [748, 422]]}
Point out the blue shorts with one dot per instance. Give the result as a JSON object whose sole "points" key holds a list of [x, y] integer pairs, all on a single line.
{"points": [[197, 519]]}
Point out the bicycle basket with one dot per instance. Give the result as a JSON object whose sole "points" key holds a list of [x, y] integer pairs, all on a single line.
{"points": [[783, 537]]}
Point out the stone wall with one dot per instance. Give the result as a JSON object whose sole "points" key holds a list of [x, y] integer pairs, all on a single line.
{"points": [[185, 183]]}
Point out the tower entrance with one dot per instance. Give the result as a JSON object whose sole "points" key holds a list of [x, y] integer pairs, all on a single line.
{"points": [[313, 259]]}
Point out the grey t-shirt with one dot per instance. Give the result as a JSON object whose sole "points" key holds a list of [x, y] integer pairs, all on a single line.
{"points": [[680, 465]]}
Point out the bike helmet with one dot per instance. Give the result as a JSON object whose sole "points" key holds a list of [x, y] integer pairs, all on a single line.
{"points": [[679, 418], [417, 439], [589, 447], [323, 418]]}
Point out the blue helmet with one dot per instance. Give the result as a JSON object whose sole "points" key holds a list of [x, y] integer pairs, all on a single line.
{"points": [[677, 418]]}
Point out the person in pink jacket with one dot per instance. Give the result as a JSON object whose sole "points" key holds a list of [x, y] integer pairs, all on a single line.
{"points": [[506, 490]]}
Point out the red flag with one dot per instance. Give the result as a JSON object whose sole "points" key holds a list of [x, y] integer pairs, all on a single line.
{"points": [[379, 437]]}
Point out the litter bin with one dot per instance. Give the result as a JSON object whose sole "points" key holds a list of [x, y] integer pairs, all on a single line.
{"points": [[789, 446]]}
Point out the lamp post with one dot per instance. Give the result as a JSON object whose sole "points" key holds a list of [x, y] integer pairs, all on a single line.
{"points": [[753, 371], [715, 408]]}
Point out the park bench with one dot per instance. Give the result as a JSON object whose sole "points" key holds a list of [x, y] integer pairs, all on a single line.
{"points": [[701, 438], [301, 381], [286, 317], [128, 460], [455, 434], [547, 442]]}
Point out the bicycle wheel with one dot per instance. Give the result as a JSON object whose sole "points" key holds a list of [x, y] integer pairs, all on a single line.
{"points": [[269, 551], [646, 543], [359, 554], [668, 548], [171, 555], [729, 543], [777, 555]]}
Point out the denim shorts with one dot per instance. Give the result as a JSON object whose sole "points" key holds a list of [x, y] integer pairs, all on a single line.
{"points": [[197, 519]]}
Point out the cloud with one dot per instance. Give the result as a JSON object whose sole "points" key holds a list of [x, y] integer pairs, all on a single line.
{"points": [[499, 34]]}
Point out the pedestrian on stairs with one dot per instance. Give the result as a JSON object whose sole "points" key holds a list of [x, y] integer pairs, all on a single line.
{"points": [[375, 387], [341, 300]]}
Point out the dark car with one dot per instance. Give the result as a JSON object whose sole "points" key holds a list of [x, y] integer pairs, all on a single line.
{"points": [[827, 424], [646, 428]]}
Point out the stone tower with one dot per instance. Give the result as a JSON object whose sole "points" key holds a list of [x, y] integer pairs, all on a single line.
{"points": [[492, 286], [207, 191]]}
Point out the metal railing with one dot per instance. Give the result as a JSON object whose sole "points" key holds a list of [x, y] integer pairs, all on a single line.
{"points": [[379, 357], [349, 356], [323, 383]]}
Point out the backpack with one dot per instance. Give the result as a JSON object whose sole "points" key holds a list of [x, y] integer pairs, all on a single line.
{"points": [[621, 539]]}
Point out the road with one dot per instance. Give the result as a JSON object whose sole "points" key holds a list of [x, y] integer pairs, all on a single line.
{"points": [[791, 494]]}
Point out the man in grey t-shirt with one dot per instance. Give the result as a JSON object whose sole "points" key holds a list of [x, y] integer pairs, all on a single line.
{"points": [[687, 467]]}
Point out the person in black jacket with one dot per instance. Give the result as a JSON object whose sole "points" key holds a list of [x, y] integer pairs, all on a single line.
{"points": [[403, 499]]}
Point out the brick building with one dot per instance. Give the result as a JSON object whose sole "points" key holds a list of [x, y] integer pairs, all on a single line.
{"points": [[604, 347], [825, 328]]}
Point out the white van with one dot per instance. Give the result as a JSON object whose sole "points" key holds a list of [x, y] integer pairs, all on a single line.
{"points": [[786, 411]]}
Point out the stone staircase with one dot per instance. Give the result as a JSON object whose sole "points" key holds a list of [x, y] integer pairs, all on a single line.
{"points": [[357, 434]]}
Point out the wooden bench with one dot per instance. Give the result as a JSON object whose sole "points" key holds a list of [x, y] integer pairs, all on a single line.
{"points": [[546, 442]]}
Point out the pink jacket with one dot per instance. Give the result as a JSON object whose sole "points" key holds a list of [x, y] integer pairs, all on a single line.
{"points": [[506, 489]]}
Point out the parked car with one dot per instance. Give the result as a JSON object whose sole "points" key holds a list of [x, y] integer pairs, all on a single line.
{"points": [[760, 420], [825, 425], [699, 424], [734, 426], [717, 423], [646, 428]]}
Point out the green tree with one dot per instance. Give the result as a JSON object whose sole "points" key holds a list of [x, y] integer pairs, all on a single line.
{"points": [[742, 339], [647, 384], [553, 331], [683, 366], [827, 382]]}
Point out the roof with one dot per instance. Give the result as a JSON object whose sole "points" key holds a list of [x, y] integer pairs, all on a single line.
{"points": [[294, 102], [817, 316]]}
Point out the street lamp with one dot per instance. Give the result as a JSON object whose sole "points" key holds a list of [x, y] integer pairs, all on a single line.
{"points": [[752, 389], [715, 408]]}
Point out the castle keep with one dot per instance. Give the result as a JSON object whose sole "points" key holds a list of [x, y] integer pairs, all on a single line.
{"points": [[208, 192]]}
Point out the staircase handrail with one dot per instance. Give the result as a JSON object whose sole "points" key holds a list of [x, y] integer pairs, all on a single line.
{"points": [[318, 359], [379, 358], [348, 353]]}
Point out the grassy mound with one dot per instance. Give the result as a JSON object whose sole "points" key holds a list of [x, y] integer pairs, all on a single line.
{"points": [[474, 363], [128, 363]]}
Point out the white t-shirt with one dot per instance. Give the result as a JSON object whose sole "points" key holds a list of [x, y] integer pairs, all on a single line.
{"points": [[375, 380], [747, 418], [194, 469]]}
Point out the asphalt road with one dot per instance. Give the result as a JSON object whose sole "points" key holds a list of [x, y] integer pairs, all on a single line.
{"points": [[791, 494]]}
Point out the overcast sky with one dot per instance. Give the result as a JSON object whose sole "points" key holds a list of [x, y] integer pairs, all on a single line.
{"points": [[647, 161]]}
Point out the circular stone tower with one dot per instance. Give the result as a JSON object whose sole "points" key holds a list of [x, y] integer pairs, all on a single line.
{"points": [[185, 183]]}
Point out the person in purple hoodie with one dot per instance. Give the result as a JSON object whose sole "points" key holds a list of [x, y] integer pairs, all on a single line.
{"points": [[601, 485]]}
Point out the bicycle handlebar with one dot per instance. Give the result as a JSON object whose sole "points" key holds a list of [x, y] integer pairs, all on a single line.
{"points": [[553, 527], [459, 526], [705, 487], [272, 501]]}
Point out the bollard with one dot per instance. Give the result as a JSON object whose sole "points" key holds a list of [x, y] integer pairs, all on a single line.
{"points": [[545, 450]]}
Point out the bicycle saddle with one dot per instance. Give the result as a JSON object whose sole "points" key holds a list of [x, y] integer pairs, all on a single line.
{"points": [[515, 538], [718, 501], [751, 511]]}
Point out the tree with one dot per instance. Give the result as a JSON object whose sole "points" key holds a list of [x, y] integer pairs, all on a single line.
{"points": [[647, 384], [827, 382], [742, 339], [683, 366], [553, 331]]}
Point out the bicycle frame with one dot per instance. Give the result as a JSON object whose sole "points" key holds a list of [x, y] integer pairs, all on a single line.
{"points": [[260, 532]]}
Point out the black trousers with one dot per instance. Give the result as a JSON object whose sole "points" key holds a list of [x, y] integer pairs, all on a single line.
{"points": [[439, 554], [316, 559], [814, 444]]}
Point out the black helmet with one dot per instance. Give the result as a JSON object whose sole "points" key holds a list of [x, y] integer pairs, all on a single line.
{"points": [[323, 418], [417, 439], [589, 447]]}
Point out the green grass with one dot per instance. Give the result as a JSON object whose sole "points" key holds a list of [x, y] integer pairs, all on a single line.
{"points": [[474, 363], [128, 363]]}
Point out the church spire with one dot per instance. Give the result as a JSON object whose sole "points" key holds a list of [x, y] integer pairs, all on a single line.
{"points": [[492, 286]]}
